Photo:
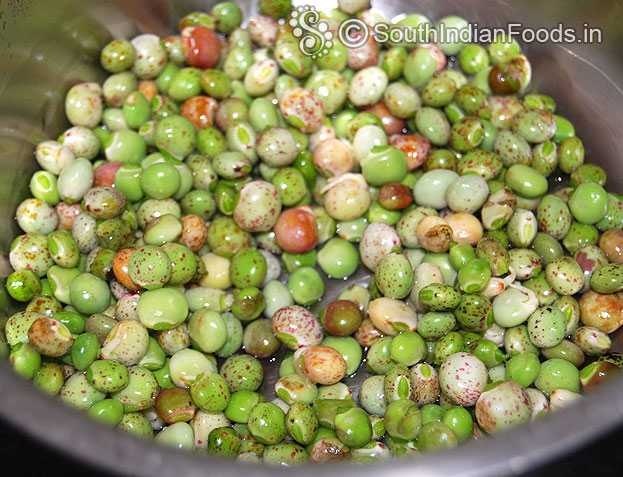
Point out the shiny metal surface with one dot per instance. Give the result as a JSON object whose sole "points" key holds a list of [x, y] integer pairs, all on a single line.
{"points": [[47, 46]]}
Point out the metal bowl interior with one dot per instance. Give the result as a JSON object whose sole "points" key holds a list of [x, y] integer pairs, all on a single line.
{"points": [[47, 46]]}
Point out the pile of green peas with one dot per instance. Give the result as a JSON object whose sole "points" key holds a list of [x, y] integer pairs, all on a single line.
{"points": [[178, 232]]}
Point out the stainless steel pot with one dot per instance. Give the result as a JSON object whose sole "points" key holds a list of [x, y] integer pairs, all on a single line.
{"points": [[48, 45]]}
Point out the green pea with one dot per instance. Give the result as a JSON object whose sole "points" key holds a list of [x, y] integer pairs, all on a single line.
{"points": [[460, 421], [210, 392], [564, 130], [439, 297], [112, 234], [248, 268], [210, 141], [79, 393], [208, 330], [526, 181], [226, 198], [128, 181], [352, 230], [377, 213], [460, 254], [215, 83], [165, 78], [89, 294], [517, 341], [25, 360], [431, 412], [285, 454], [306, 285], [185, 84], [588, 203], [241, 137], [547, 327], [566, 350], [149, 267], [448, 345], [327, 409], [607, 278], [384, 164], [23, 285], [523, 369], [160, 180], [353, 427], [419, 67], [267, 423], [248, 445], [397, 383], [178, 435], [140, 392], [74, 322], [433, 325], [286, 366], [163, 375], [474, 276], [223, 441], [579, 236], [63, 249], [349, 349], [408, 348], [46, 305], [330, 87], [107, 411], [249, 303], [84, 350], [432, 124], [473, 58], [336, 59], [291, 185], [117, 56], [100, 325], [162, 309], [137, 424], [403, 419], [488, 352], [240, 405], [107, 376], [262, 114], [155, 357], [291, 59], [547, 247], [540, 101], [183, 261], [199, 202], [292, 388], [394, 276], [436, 435], [136, 109], [176, 135], [44, 186], [558, 374], [302, 422], [227, 15], [335, 391], [378, 359], [277, 296], [50, 378], [125, 146]]}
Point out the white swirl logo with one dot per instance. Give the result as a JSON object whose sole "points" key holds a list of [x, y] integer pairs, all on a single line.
{"points": [[353, 33], [315, 37]]}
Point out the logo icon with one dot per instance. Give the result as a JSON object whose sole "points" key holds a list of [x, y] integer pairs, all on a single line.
{"points": [[315, 37]]}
